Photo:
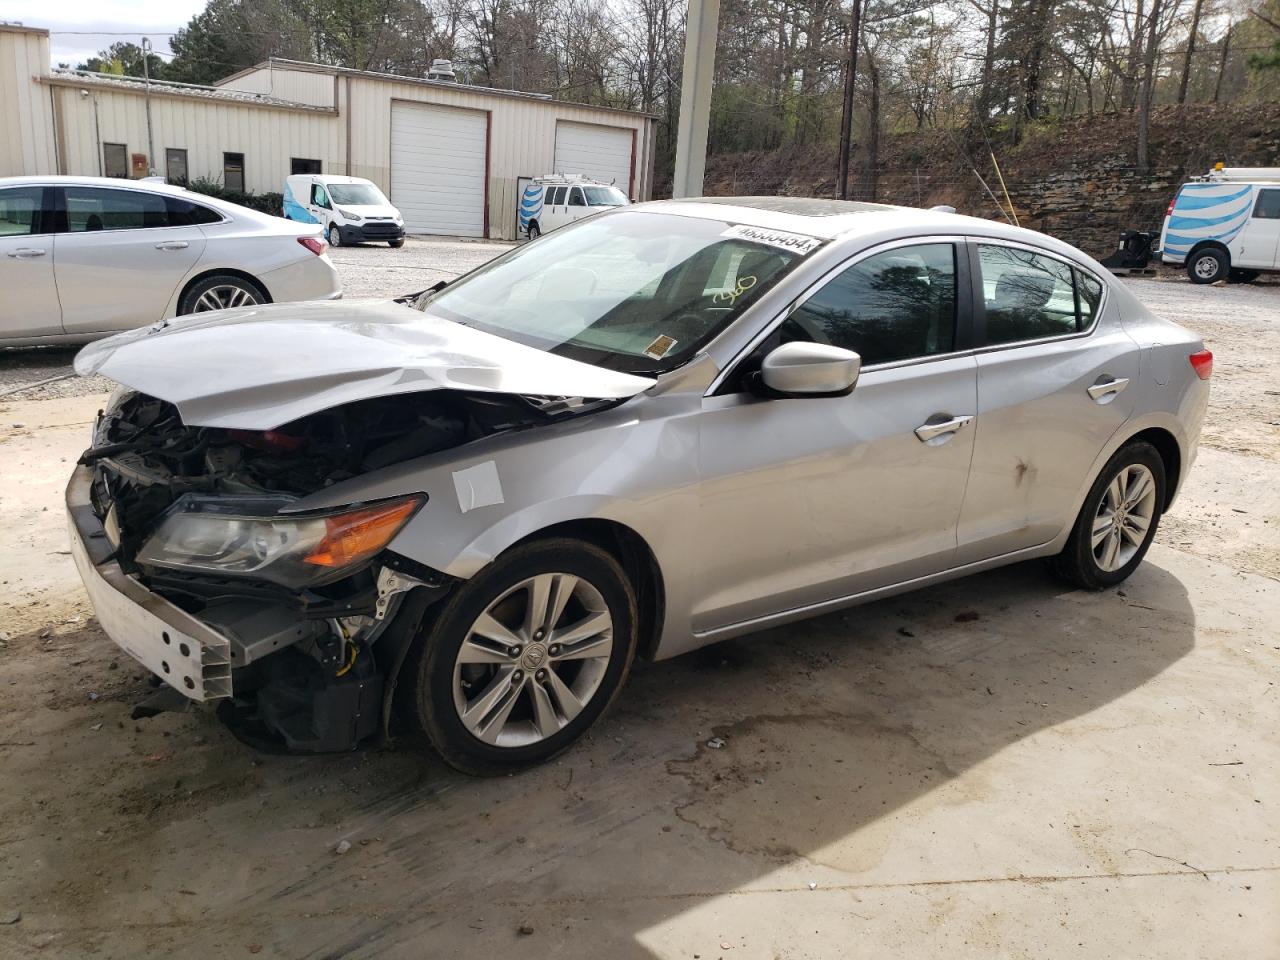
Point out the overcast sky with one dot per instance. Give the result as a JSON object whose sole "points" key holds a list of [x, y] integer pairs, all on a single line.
{"points": [[80, 28]]}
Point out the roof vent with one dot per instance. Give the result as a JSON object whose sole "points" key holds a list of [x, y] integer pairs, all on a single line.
{"points": [[442, 70]]}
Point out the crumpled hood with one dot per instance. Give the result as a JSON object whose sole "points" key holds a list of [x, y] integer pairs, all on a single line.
{"points": [[256, 368]]}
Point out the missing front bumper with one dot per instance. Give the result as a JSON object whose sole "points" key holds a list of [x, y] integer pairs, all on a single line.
{"points": [[182, 651]]}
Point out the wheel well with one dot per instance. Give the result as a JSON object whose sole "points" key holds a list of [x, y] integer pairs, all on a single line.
{"points": [[631, 551], [224, 271], [1167, 447], [1209, 244]]}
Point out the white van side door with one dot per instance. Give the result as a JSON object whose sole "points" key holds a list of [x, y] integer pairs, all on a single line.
{"points": [[319, 204], [577, 208], [1258, 244]]}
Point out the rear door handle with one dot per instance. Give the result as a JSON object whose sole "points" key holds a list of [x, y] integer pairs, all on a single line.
{"points": [[1104, 391], [26, 253], [173, 245], [933, 431]]}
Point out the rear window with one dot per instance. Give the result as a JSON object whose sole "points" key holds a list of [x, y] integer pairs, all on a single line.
{"points": [[185, 213]]}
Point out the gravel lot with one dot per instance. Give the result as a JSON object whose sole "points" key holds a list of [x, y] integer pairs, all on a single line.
{"points": [[996, 767]]}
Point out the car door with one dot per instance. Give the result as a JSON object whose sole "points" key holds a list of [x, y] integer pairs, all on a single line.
{"points": [[553, 209], [577, 205], [320, 206], [1057, 377], [808, 500], [1258, 244], [119, 262], [29, 305]]}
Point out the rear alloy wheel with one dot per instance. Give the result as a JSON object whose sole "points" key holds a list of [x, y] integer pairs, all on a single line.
{"points": [[1208, 266], [524, 657], [334, 235], [221, 292], [1118, 520], [534, 231]]}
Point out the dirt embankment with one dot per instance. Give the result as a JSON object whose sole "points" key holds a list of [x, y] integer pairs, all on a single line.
{"points": [[1073, 177]]}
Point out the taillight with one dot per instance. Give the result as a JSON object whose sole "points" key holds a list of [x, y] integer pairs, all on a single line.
{"points": [[1202, 364], [314, 244], [1172, 204]]}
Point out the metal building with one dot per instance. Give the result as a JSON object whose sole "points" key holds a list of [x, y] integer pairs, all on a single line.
{"points": [[450, 156]]}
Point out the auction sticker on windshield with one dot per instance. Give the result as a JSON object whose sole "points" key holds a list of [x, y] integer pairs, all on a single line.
{"points": [[795, 242]]}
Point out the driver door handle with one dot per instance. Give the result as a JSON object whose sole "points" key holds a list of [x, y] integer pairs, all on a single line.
{"points": [[931, 431], [1106, 390], [26, 253], [173, 245]]}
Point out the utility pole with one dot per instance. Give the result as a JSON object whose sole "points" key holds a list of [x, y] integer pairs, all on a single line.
{"points": [[146, 76], [695, 97], [846, 115]]}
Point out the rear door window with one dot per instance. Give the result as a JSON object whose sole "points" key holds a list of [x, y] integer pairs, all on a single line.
{"points": [[20, 211], [95, 208], [1268, 205], [1028, 296]]}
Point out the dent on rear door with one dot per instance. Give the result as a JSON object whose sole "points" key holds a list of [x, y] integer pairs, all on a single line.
{"points": [[1039, 432]]}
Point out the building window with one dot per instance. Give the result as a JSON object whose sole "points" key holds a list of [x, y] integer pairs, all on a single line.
{"points": [[175, 166], [299, 165], [233, 172], [115, 160]]}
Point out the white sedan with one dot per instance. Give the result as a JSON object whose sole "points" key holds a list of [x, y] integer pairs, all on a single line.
{"points": [[84, 257]]}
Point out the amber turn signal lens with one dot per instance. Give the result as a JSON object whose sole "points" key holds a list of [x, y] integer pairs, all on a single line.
{"points": [[351, 537]]}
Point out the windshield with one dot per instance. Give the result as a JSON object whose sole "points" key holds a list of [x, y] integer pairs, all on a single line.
{"points": [[630, 291], [357, 194], [604, 197]]}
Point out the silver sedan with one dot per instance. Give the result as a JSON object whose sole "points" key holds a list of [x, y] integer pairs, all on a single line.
{"points": [[85, 257], [661, 427]]}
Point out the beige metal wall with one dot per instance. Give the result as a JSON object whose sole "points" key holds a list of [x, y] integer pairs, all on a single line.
{"points": [[267, 137], [27, 144], [522, 136], [300, 86]]}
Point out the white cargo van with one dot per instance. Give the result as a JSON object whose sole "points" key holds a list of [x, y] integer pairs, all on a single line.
{"points": [[351, 209], [1225, 225], [552, 201]]}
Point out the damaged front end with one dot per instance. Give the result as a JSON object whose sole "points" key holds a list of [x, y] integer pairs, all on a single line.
{"points": [[202, 565]]}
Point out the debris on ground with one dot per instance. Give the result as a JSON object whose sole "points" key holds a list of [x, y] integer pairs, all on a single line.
{"points": [[525, 929], [715, 743], [342, 847], [8, 919]]}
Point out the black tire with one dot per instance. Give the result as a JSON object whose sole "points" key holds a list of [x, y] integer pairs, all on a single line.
{"points": [[396, 244], [1076, 563], [1208, 266], [429, 672], [217, 282], [534, 230], [1242, 276], [334, 235]]}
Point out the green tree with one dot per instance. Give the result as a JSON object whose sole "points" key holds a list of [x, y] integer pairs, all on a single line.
{"points": [[125, 60]]}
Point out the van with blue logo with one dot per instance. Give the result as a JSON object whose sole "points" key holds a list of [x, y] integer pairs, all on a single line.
{"points": [[552, 201], [351, 209], [1225, 225]]}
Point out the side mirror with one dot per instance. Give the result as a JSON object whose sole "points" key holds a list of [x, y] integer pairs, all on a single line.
{"points": [[800, 369]]}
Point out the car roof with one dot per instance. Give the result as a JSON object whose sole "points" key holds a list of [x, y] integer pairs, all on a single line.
{"points": [[846, 219], [55, 179]]}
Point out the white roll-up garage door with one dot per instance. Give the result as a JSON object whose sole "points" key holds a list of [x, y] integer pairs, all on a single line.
{"points": [[602, 153], [438, 168]]}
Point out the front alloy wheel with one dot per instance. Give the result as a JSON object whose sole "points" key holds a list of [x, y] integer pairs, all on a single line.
{"points": [[523, 658], [533, 660]]}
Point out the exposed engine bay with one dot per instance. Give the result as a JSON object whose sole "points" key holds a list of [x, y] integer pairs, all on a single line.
{"points": [[312, 647]]}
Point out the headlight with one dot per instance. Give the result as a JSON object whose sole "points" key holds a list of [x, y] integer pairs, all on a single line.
{"points": [[248, 537], [347, 214]]}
